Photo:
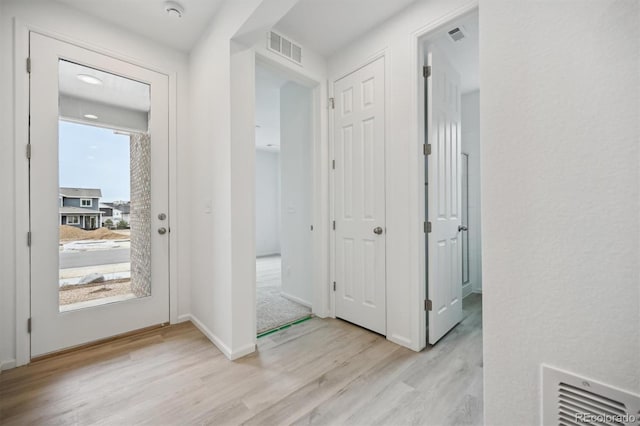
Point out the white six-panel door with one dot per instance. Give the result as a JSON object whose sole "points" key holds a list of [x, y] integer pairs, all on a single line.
{"points": [[359, 203], [444, 196]]}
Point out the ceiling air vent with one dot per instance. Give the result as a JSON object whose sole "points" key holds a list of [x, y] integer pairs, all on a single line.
{"points": [[456, 34], [570, 400], [284, 47]]}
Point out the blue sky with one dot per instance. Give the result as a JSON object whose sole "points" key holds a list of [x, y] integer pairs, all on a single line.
{"points": [[93, 157]]}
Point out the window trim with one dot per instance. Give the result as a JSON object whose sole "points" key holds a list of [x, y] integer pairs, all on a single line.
{"points": [[82, 204], [76, 217]]}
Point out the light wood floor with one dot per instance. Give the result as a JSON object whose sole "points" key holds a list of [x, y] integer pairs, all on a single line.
{"points": [[318, 372]]}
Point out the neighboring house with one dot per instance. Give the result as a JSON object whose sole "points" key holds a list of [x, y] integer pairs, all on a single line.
{"points": [[79, 207], [116, 211], [110, 213]]}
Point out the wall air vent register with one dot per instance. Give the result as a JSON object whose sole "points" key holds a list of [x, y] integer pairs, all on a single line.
{"points": [[284, 47]]}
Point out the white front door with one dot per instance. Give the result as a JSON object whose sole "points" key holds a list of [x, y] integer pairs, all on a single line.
{"points": [[359, 199], [444, 211], [98, 134]]}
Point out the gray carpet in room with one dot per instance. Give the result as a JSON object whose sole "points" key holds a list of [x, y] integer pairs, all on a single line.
{"points": [[274, 311]]}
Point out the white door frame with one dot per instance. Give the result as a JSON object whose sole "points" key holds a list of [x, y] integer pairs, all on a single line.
{"points": [[319, 199], [21, 175], [418, 39]]}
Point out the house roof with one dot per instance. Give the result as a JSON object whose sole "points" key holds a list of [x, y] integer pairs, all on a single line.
{"points": [[122, 208], [77, 210], [81, 192]]}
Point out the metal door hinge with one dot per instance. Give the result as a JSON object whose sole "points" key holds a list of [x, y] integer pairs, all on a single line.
{"points": [[426, 71], [29, 151], [426, 149], [334, 286], [427, 227], [311, 227], [29, 239], [29, 325], [427, 305], [334, 225], [333, 164], [332, 103], [29, 65]]}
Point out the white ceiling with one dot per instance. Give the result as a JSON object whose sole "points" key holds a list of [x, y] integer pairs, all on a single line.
{"points": [[148, 18], [115, 90], [464, 54], [325, 26]]}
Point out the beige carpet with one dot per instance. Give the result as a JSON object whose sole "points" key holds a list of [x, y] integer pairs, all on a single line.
{"points": [[274, 311]]}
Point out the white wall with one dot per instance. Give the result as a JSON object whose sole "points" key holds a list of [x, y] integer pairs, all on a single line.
{"points": [[267, 203], [404, 172], [560, 116], [471, 146], [296, 140], [222, 99], [267, 108], [211, 175], [58, 19]]}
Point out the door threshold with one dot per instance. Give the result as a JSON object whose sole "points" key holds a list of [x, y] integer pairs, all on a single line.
{"points": [[77, 348]]}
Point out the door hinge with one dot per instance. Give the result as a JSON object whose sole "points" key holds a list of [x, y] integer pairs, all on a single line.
{"points": [[427, 227], [427, 305], [29, 151], [332, 103], [426, 71], [334, 225], [29, 325], [334, 286], [426, 148], [29, 65], [333, 164], [29, 239]]}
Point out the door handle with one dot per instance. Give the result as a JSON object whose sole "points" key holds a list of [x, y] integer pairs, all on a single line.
{"points": [[377, 230], [162, 230], [462, 228]]}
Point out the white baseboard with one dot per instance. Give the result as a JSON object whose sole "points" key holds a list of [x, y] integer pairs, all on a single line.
{"points": [[267, 254], [296, 299], [467, 290], [402, 341], [183, 318], [7, 364], [230, 354]]}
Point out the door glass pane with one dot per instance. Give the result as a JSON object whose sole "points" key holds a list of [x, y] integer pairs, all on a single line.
{"points": [[104, 164]]}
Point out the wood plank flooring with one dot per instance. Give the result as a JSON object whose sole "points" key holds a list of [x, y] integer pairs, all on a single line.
{"points": [[325, 372]]}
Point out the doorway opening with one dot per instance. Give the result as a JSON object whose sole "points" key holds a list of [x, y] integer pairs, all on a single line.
{"points": [[452, 198], [283, 205]]}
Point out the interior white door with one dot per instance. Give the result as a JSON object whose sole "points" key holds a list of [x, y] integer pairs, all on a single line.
{"points": [[72, 87], [359, 205], [444, 196]]}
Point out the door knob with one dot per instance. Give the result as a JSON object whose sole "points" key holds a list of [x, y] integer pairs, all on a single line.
{"points": [[377, 230], [162, 230], [462, 228]]}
